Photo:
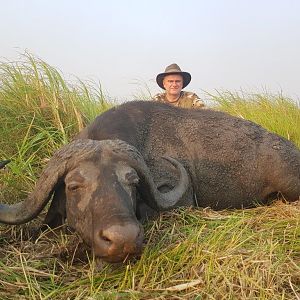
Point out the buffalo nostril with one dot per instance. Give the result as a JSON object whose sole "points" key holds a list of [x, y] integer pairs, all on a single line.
{"points": [[105, 238]]}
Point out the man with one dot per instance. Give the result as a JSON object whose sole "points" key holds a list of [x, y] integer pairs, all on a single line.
{"points": [[173, 80]]}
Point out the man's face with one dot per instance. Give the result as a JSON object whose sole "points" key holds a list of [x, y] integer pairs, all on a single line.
{"points": [[173, 84]]}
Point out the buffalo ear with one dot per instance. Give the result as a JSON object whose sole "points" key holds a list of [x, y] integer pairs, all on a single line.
{"points": [[127, 175], [132, 177]]}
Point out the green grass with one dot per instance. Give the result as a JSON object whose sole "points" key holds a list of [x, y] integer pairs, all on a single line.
{"points": [[39, 112], [277, 113], [188, 253]]}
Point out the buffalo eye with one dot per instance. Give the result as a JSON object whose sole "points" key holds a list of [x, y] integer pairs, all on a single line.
{"points": [[72, 187]]}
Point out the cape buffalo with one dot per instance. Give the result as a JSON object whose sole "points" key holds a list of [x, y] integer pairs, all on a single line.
{"points": [[113, 173]]}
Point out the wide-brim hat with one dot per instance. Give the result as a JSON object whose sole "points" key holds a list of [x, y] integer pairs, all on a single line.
{"points": [[171, 70]]}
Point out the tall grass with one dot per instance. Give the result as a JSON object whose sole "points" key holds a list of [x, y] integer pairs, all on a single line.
{"points": [[277, 113], [39, 112], [188, 253]]}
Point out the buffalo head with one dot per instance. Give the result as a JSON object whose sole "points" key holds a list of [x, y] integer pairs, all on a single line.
{"points": [[97, 182]]}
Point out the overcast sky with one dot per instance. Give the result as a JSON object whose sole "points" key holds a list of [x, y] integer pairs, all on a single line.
{"points": [[230, 45]]}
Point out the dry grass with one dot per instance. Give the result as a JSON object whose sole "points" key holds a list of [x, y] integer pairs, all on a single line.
{"points": [[189, 254]]}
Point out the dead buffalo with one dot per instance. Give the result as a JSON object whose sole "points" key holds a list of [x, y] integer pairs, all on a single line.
{"points": [[113, 174]]}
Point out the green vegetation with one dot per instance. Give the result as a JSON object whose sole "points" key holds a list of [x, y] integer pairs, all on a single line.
{"points": [[189, 253], [277, 113], [39, 112]]}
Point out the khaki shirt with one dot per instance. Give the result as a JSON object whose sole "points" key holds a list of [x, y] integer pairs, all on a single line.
{"points": [[186, 100]]}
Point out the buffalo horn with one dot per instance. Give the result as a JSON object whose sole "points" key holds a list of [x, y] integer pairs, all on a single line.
{"points": [[150, 193], [28, 209]]}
